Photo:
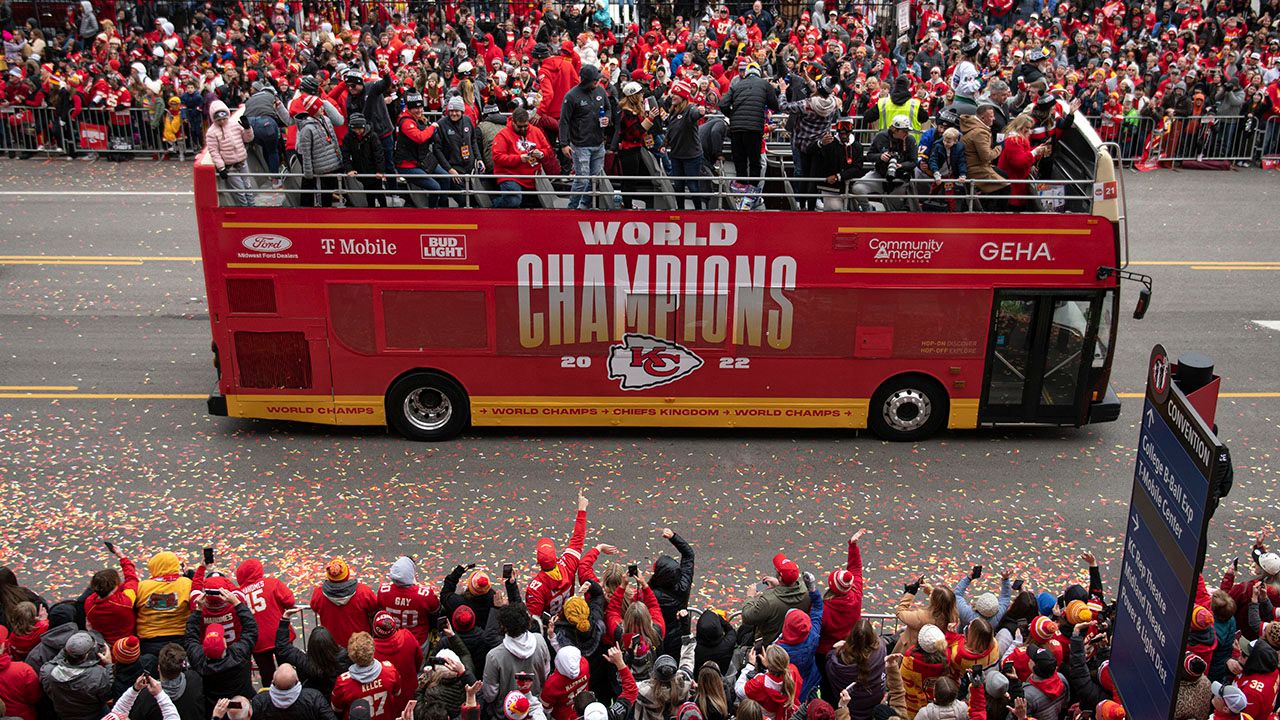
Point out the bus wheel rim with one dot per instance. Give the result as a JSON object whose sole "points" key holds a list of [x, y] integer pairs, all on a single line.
{"points": [[907, 410], [427, 409]]}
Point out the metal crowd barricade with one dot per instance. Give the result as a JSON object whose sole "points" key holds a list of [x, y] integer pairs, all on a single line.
{"points": [[135, 131], [28, 130], [1235, 138]]}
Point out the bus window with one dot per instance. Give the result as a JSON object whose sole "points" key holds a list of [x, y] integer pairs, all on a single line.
{"points": [[435, 319], [1106, 329], [1067, 339], [351, 316]]}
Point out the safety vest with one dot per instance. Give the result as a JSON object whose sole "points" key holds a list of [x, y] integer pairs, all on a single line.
{"points": [[888, 110]]}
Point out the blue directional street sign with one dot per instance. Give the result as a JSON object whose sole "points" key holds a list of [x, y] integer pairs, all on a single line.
{"points": [[1177, 453]]}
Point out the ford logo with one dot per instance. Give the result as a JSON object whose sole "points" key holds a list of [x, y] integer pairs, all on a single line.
{"points": [[267, 243]]}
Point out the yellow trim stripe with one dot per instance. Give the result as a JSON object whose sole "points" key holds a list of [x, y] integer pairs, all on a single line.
{"points": [[518, 410], [966, 231], [347, 266], [353, 226], [956, 271], [1235, 267]]}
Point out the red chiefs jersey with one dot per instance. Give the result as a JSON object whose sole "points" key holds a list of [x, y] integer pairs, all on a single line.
{"points": [[267, 599], [382, 693], [404, 652], [411, 605]]}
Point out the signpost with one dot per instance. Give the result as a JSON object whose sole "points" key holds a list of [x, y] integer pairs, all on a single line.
{"points": [[1163, 555], [904, 19]]}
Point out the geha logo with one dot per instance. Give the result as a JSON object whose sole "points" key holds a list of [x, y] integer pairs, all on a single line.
{"points": [[267, 243], [644, 361]]}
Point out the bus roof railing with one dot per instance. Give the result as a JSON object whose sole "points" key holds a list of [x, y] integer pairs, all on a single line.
{"points": [[723, 192]]}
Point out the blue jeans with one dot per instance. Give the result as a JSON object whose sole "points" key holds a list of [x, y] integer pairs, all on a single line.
{"points": [[511, 197], [266, 133], [688, 167], [422, 180], [388, 152], [588, 162]]}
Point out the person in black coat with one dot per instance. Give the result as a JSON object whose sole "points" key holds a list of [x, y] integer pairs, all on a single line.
{"points": [[478, 640], [839, 159], [477, 594], [747, 103], [714, 641], [319, 667], [671, 582], [224, 666], [287, 699], [362, 154]]}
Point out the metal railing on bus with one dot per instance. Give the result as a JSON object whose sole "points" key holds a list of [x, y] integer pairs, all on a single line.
{"points": [[608, 192]]}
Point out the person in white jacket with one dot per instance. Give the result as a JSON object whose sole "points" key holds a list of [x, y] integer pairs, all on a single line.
{"points": [[122, 707]]}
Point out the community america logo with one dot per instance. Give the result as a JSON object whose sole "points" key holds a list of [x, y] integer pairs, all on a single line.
{"points": [[644, 361]]}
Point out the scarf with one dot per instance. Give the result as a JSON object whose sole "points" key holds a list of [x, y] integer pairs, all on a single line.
{"points": [[1052, 687], [340, 592], [286, 698], [176, 687]]}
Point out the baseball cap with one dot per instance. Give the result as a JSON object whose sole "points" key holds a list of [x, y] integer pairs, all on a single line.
{"points": [[1232, 696]]}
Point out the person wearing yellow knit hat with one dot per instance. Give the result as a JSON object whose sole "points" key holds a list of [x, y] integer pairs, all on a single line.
{"points": [[343, 605]]}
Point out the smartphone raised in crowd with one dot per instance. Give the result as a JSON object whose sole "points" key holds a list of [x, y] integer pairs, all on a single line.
{"points": [[508, 570], [110, 547], [633, 570], [208, 556]]}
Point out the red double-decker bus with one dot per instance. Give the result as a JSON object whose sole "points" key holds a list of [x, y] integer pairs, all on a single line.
{"points": [[433, 320]]}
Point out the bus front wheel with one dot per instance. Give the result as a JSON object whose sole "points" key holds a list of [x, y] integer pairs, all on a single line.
{"points": [[908, 408], [427, 406]]}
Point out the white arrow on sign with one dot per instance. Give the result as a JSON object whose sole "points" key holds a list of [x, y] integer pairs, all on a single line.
{"points": [[1151, 417], [1269, 324], [1136, 524]]}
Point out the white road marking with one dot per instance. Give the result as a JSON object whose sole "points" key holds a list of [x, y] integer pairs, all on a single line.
{"points": [[101, 193], [1269, 324]]}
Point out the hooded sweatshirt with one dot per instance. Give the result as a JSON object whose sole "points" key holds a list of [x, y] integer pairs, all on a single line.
{"points": [[164, 599], [526, 653], [714, 641], [411, 604], [800, 636], [563, 685], [344, 608], [1258, 680], [113, 615], [78, 688], [404, 652], [19, 688], [267, 597]]}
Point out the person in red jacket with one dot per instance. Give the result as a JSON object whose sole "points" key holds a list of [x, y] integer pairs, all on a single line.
{"points": [[410, 604], [777, 688], [215, 595], [398, 646], [569, 678], [343, 605], [267, 598], [519, 150], [554, 582], [109, 609], [19, 684], [367, 678], [556, 77], [841, 607]]}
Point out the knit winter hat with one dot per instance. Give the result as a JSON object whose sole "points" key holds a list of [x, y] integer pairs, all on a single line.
{"points": [[337, 570], [840, 582], [795, 627], [1043, 629], [215, 643], [546, 554], [595, 711], [821, 710], [479, 583], [1194, 666], [516, 706], [384, 625], [455, 103], [1271, 633], [1270, 563], [788, 571], [578, 613], [1201, 618], [1110, 710], [463, 619], [126, 650], [1077, 612], [986, 605], [931, 639], [690, 711]]}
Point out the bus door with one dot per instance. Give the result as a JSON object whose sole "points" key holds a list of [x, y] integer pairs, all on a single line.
{"points": [[1039, 352]]}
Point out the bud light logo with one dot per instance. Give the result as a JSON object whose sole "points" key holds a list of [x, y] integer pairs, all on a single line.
{"points": [[643, 361], [267, 243]]}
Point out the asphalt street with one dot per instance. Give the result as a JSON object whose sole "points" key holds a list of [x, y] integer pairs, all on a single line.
{"points": [[104, 359]]}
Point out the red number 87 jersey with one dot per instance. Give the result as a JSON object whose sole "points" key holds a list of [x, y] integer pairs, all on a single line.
{"points": [[411, 605]]}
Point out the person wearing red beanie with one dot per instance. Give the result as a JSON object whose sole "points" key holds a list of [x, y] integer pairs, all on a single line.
{"points": [[766, 611], [554, 582], [842, 607], [398, 646]]}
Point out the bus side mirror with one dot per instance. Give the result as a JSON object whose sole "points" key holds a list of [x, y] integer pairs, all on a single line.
{"points": [[1144, 301]]}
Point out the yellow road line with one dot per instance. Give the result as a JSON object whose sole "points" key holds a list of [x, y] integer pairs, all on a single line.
{"points": [[327, 266], [1221, 395], [353, 226], [957, 271], [966, 231], [33, 388], [104, 396]]}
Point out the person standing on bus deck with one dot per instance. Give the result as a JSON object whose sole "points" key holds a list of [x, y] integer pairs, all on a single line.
{"points": [[746, 104], [981, 157], [519, 150], [226, 145], [684, 145], [585, 118], [838, 160], [457, 149], [369, 100], [320, 152], [813, 117], [899, 102], [413, 154], [362, 155], [267, 116], [965, 80]]}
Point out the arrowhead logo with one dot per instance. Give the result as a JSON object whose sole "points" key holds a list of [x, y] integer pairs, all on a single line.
{"points": [[644, 361]]}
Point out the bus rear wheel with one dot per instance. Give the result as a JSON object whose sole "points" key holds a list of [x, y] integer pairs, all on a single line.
{"points": [[908, 408], [427, 406]]}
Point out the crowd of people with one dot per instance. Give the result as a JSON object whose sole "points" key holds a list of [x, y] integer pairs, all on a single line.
{"points": [[589, 637], [437, 90]]}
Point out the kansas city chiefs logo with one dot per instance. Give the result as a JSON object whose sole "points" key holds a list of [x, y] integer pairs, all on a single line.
{"points": [[644, 361]]}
